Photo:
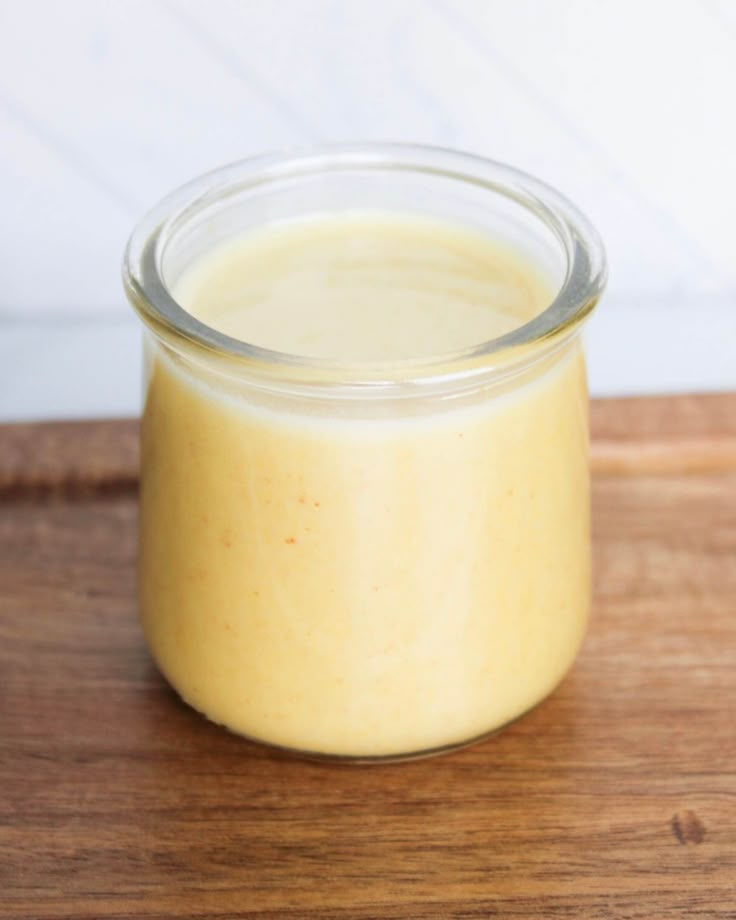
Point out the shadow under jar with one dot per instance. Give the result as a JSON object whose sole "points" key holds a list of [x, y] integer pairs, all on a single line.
{"points": [[377, 557]]}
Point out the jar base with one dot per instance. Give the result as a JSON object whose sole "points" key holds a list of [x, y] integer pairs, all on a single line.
{"points": [[361, 760], [365, 759]]}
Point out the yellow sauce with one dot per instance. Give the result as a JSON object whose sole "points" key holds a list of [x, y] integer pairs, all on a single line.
{"points": [[356, 584]]}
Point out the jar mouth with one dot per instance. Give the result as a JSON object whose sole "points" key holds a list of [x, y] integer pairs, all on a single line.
{"points": [[579, 291]]}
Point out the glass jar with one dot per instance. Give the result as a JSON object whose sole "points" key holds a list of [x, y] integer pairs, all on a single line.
{"points": [[353, 560]]}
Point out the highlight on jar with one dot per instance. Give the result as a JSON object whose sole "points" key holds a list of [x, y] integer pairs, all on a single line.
{"points": [[364, 506]]}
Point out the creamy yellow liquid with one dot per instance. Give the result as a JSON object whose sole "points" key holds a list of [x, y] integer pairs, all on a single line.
{"points": [[364, 288], [350, 582]]}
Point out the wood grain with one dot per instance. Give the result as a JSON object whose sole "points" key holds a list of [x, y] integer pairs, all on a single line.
{"points": [[695, 433], [616, 798], [68, 458]]}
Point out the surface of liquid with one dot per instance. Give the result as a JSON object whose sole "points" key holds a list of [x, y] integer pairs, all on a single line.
{"points": [[364, 288], [344, 582]]}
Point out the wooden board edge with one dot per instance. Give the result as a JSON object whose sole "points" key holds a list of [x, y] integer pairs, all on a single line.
{"points": [[633, 435]]}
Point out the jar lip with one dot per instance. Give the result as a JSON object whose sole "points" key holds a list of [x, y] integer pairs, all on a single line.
{"points": [[578, 294]]}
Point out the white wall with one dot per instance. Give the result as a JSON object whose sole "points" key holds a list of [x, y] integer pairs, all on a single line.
{"points": [[105, 105]]}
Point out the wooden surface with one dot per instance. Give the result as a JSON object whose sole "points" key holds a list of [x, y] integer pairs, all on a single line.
{"points": [[616, 798]]}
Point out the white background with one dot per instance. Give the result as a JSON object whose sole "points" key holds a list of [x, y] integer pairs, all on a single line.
{"points": [[628, 106]]}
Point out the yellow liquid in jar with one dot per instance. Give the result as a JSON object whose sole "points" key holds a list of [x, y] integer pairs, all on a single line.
{"points": [[348, 583]]}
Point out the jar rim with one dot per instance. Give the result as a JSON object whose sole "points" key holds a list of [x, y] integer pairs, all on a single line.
{"points": [[579, 292]]}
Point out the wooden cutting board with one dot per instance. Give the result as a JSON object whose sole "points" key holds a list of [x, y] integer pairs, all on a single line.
{"points": [[616, 798]]}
